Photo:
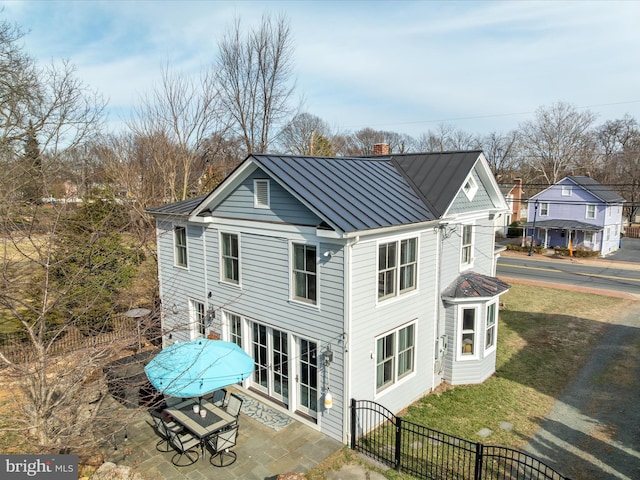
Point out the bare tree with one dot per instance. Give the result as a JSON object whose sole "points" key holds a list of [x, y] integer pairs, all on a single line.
{"points": [[447, 138], [299, 134], [175, 119], [558, 142], [254, 77], [501, 151], [619, 145], [61, 274], [47, 106]]}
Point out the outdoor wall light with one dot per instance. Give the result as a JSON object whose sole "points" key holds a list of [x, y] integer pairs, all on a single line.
{"points": [[328, 357], [175, 308]]}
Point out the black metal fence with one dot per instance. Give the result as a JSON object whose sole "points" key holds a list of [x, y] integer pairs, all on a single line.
{"points": [[430, 454]]}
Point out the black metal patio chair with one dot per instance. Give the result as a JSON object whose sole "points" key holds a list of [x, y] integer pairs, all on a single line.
{"points": [[162, 426], [234, 404], [221, 444], [186, 445]]}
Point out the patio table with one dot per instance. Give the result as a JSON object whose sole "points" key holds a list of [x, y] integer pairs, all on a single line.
{"points": [[215, 419]]}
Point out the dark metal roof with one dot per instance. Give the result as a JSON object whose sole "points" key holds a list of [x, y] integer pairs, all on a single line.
{"points": [[363, 193], [351, 193], [185, 207], [595, 188], [437, 177], [565, 225], [475, 285]]}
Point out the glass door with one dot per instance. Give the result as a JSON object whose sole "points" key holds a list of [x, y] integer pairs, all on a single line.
{"points": [[271, 357], [308, 378]]}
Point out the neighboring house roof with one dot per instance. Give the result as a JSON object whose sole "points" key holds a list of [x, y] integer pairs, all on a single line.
{"points": [[562, 224], [475, 285], [595, 188]]}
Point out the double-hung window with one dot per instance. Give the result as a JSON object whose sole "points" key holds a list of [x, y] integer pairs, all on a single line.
{"points": [[466, 258], [591, 211], [230, 258], [566, 190], [198, 318], [468, 347], [235, 328], [305, 275], [395, 356], [180, 246], [397, 267], [490, 333], [544, 209]]}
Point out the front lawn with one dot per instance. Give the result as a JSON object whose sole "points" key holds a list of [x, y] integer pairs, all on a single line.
{"points": [[544, 337]]}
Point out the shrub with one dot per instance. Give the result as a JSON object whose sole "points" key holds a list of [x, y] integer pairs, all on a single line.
{"points": [[518, 248], [564, 252]]}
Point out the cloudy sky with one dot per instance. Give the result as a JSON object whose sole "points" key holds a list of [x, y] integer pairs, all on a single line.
{"points": [[408, 67]]}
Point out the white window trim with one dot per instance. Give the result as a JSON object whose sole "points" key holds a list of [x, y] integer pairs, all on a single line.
{"points": [[221, 259], [194, 321], [175, 246], [292, 297], [591, 242], [468, 265], [256, 198], [595, 211], [477, 331], [396, 381], [540, 212], [397, 293], [470, 187], [567, 190], [495, 327]]}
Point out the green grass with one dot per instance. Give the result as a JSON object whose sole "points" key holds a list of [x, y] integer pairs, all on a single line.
{"points": [[544, 336]]}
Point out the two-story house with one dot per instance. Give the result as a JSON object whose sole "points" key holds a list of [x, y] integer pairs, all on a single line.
{"points": [[579, 211], [367, 278]]}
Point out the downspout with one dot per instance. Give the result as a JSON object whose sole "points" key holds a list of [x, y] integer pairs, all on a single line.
{"points": [[347, 338]]}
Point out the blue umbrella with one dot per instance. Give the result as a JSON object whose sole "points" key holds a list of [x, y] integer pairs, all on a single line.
{"points": [[195, 368]]}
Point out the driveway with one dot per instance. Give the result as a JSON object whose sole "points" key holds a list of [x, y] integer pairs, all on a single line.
{"points": [[593, 431]]}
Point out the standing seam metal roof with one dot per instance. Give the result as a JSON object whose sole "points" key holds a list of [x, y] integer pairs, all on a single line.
{"points": [[352, 193], [363, 193]]}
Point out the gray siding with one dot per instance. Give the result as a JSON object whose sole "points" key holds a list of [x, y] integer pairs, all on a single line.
{"points": [[371, 320], [481, 200], [179, 284], [284, 207], [264, 298]]}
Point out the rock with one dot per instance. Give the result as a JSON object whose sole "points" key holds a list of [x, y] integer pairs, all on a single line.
{"points": [[111, 471]]}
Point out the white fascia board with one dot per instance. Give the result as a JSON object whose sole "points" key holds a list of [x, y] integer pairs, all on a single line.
{"points": [[393, 229]]}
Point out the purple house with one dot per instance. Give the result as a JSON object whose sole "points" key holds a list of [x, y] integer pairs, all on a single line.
{"points": [[579, 210]]}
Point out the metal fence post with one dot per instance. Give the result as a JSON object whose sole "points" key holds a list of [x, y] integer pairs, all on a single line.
{"points": [[477, 474], [398, 443], [353, 424]]}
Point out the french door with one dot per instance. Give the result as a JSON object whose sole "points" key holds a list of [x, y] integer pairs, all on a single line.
{"points": [[308, 378], [271, 357]]}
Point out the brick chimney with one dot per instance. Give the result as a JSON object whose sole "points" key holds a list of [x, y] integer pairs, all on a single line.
{"points": [[381, 149], [517, 198]]}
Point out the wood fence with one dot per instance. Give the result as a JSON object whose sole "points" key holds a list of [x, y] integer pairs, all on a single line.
{"points": [[17, 347]]}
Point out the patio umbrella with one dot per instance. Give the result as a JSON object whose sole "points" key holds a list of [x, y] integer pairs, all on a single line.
{"points": [[195, 368]]}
